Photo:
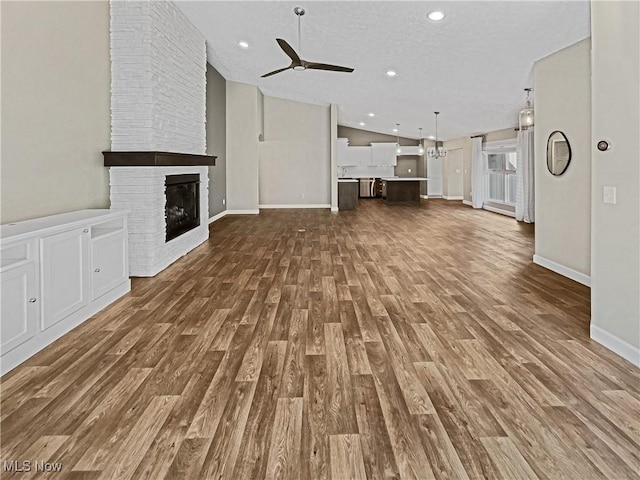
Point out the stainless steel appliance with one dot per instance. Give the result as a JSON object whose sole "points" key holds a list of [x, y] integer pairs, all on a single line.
{"points": [[367, 187]]}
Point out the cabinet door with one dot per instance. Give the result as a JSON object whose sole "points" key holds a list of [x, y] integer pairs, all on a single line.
{"points": [[383, 154], [108, 263], [360, 156], [342, 152], [19, 311], [65, 274]]}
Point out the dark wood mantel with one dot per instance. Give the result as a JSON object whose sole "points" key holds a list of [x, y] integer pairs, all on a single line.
{"points": [[155, 159]]}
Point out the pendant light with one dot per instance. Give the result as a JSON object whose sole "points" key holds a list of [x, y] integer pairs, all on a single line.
{"points": [[398, 149], [438, 151], [420, 149], [526, 114]]}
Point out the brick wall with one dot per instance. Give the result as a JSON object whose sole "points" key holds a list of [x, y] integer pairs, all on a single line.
{"points": [[158, 79]]}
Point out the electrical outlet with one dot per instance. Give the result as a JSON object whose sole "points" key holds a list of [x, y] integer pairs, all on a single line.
{"points": [[609, 195], [409, 170], [224, 201], [302, 196]]}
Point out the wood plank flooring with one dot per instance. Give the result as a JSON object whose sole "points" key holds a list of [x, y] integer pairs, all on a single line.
{"points": [[384, 342]]}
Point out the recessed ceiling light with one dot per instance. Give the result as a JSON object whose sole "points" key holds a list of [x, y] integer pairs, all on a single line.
{"points": [[435, 16], [243, 44], [391, 73], [361, 124], [371, 114], [395, 130], [431, 137]]}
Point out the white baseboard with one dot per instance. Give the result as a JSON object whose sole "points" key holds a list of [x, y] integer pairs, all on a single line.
{"points": [[500, 211], [426, 197], [467, 202], [296, 205], [447, 197], [217, 217], [616, 345], [434, 196], [562, 270], [243, 212], [334, 209]]}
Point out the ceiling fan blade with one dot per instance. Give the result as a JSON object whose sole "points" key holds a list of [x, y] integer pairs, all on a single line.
{"points": [[275, 71], [326, 66], [288, 49]]}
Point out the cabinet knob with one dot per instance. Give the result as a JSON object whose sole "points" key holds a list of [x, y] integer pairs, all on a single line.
{"points": [[32, 300], [86, 230], [97, 270]]}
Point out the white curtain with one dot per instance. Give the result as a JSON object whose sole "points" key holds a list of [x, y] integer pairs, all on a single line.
{"points": [[525, 191], [477, 173]]}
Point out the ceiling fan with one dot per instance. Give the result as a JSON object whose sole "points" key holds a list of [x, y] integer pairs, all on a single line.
{"points": [[298, 63]]}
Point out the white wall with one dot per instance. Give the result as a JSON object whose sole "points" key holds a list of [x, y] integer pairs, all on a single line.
{"points": [[242, 147], [615, 253], [562, 87], [55, 107], [158, 79], [295, 157]]}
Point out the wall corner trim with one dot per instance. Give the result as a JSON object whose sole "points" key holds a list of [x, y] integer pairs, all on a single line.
{"points": [[615, 344], [562, 270], [334, 209], [218, 216], [467, 202]]}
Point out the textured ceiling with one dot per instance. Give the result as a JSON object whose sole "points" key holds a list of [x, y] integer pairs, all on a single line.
{"points": [[472, 66]]}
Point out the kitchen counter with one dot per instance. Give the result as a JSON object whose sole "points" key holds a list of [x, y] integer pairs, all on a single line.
{"points": [[402, 190], [405, 179]]}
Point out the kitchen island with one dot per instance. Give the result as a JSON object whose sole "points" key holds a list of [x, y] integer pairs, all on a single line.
{"points": [[402, 190]]}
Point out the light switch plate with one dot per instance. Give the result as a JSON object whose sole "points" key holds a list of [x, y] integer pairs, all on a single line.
{"points": [[609, 195]]}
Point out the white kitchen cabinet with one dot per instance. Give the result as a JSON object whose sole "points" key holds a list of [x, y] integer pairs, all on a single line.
{"points": [[66, 279], [360, 156], [384, 154], [342, 152], [49, 280], [20, 308]]}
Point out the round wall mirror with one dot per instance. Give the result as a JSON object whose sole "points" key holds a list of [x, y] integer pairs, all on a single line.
{"points": [[558, 153]]}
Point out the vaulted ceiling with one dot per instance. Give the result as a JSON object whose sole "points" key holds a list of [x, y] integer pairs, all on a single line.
{"points": [[472, 66]]}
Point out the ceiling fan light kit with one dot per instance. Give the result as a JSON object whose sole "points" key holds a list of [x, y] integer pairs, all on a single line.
{"points": [[297, 63]]}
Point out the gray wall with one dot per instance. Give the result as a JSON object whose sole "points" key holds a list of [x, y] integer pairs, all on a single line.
{"points": [[55, 107], [362, 138], [295, 157], [562, 87], [216, 139], [615, 251], [242, 147]]}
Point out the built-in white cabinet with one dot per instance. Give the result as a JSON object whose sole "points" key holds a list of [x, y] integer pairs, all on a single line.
{"points": [[108, 265], [66, 279], [342, 152], [384, 154], [55, 273], [360, 156], [18, 290]]}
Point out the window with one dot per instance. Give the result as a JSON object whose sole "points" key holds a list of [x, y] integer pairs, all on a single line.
{"points": [[501, 180]]}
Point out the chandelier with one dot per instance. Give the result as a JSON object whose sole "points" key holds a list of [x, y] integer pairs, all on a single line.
{"points": [[438, 151], [526, 114]]}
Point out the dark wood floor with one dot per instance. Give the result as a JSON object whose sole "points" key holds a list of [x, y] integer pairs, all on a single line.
{"points": [[385, 342]]}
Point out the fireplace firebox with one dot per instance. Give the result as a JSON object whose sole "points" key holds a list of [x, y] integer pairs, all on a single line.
{"points": [[182, 209]]}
